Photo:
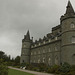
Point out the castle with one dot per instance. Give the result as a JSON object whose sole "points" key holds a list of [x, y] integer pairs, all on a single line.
{"points": [[56, 47]]}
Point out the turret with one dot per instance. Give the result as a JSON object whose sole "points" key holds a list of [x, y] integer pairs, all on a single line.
{"points": [[68, 35], [25, 52]]}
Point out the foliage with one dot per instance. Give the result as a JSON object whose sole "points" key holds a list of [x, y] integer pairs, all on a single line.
{"points": [[4, 57], [17, 61], [3, 68], [65, 68], [53, 69]]}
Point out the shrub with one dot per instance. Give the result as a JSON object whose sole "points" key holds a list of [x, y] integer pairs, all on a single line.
{"points": [[71, 73], [65, 68], [54, 69], [42, 67], [3, 68]]}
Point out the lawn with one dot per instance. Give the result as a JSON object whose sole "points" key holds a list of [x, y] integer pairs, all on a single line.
{"points": [[16, 72]]}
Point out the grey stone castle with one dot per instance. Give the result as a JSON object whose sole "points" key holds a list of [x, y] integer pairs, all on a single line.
{"points": [[54, 48]]}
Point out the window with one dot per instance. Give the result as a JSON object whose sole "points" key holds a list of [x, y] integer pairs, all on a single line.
{"points": [[49, 40], [38, 52], [49, 61], [55, 38], [49, 50], [38, 60], [34, 61], [56, 48], [31, 46], [44, 42], [31, 53], [24, 45], [23, 61], [73, 39], [31, 61], [43, 60], [56, 60], [23, 53], [72, 25]]}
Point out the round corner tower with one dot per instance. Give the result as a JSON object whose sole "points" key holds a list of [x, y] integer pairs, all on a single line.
{"points": [[25, 52], [68, 35]]}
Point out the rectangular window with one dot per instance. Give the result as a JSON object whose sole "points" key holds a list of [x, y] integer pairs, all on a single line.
{"points": [[73, 39]]}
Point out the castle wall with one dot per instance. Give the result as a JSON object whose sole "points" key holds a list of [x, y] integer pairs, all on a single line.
{"points": [[47, 53]]}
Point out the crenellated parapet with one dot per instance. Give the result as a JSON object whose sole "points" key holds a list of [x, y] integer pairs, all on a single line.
{"points": [[49, 38]]}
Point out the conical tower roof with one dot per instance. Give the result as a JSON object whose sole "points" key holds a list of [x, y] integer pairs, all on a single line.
{"points": [[69, 12], [28, 35], [69, 9]]}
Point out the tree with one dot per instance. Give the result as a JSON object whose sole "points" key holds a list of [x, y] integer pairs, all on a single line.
{"points": [[4, 56], [3, 68], [17, 60]]}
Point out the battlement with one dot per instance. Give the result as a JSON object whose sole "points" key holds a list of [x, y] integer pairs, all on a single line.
{"points": [[49, 38]]}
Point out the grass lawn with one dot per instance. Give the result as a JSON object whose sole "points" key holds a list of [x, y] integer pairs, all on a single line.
{"points": [[16, 72]]}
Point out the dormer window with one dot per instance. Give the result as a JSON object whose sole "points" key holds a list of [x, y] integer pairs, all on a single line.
{"points": [[55, 38], [44, 42], [49, 40], [72, 25]]}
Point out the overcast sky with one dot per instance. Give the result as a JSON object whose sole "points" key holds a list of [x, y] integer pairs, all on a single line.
{"points": [[17, 16]]}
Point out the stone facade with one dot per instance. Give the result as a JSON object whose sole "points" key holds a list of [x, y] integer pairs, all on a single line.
{"points": [[56, 47]]}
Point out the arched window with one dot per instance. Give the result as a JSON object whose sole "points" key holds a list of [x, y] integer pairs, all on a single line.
{"points": [[56, 60], [72, 25], [49, 40], [49, 61], [56, 49], [38, 60], [43, 60], [44, 42]]}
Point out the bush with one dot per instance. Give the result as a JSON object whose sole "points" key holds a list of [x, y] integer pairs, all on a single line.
{"points": [[65, 68], [53, 69], [71, 73], [3, 68], [42, 67]]}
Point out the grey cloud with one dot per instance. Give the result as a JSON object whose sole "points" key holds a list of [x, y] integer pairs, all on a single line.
{"points": [[17, 16]]}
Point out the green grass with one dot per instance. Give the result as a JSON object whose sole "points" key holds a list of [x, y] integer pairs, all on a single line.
{"points": [[16, 72]]}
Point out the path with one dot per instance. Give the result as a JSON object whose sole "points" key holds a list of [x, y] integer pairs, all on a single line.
{"points": [[33, 72]]}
